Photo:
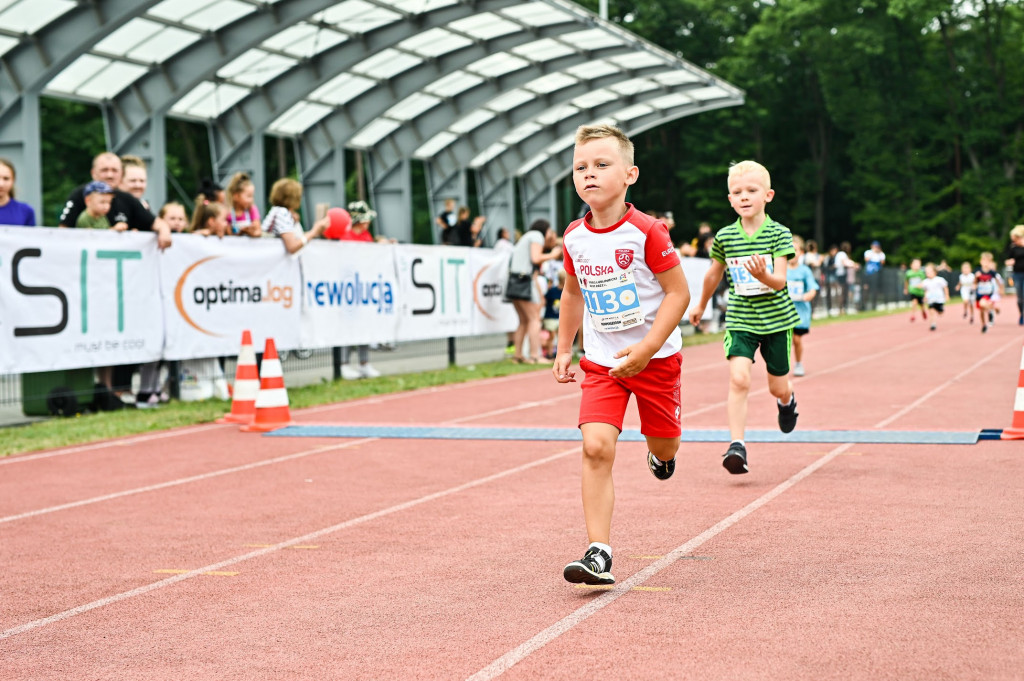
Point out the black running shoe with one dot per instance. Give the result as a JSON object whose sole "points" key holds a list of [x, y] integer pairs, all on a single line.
{"points": [[662, 470], [787, 416], [735, 460], [588, 569]]}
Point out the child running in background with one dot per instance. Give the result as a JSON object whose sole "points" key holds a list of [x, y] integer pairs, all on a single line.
{"points": [[912, 281], [552, 301], [936, 292], [987, 287], [624, 284], [966, 288], [803, 287], [754, 251]]}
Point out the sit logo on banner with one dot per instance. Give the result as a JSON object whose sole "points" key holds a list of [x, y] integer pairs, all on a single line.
{"points": [[61, 296]]}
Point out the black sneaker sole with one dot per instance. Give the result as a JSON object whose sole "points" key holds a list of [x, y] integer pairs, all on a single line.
{"points": [[577, 573], [787, 423], [735, 464], [662, 472]]}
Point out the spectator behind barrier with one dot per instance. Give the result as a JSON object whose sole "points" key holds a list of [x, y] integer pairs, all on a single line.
{"points": [[135, 178], [174, 214], [445, 221], [468, 232], [211, 191], [502, 243], [243, 215], [283, 218], [359, 230], [126, 211], [210, 219], [13, 212], [97, 195]]}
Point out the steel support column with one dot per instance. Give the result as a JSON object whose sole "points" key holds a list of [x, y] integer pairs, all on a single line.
{"points": [[391, 196]]}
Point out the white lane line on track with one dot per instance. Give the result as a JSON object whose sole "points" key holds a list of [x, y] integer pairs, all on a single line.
{"points": [[524, 650], [188, 430], [521, 652], [462, 419], [376, 399], [24, 458], [184, 481], [304, 539]]}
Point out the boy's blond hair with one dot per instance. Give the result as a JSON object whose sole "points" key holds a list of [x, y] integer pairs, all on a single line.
{"points": [[588, 133], [286, 192], [1017, 232], [986, 255], [744, 167], [798, 241]]}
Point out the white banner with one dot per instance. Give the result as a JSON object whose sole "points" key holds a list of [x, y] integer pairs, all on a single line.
{"points": [[694, 270], [77, 298], [491, 314], [348, 294], [435, 291], [215, 288]]}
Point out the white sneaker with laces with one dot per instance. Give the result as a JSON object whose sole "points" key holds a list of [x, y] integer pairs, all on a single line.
{"points": [[798, 370], [367, 371], [350, 373]]}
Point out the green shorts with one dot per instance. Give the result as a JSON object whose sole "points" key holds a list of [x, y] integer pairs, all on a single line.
{"points": [[775, 348]]}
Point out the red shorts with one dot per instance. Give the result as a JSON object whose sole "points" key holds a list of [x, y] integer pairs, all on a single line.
{"points": [[657, 396]]}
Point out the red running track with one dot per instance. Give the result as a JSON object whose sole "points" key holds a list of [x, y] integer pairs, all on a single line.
{"points": [[207, 553]]}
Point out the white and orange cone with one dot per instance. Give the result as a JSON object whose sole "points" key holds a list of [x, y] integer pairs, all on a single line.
{"points": [[272, 401], [246, 387], [1016, 431]]}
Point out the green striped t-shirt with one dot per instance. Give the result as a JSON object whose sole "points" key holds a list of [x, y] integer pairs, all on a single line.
{"points": [[762, 313]]}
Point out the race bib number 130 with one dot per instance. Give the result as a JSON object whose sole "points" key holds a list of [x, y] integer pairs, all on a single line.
{"points": [[743, 280], [612, 301]]}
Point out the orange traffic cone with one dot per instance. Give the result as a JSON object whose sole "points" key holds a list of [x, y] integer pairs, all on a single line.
{"points": [[272, 401], [247, 385], [1016, 431]]}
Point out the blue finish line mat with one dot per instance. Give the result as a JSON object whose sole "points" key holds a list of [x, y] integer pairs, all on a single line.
{"points": [[900, 437]]}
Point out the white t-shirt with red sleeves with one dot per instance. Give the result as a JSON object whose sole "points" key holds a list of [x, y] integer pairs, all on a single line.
{"points": [[616, 269]]}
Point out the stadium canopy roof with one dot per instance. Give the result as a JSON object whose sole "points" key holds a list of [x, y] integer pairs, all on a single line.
{"points": [[494, 87]]}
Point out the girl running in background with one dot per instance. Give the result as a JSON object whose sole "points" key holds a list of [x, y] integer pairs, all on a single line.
{"points": [[966, 288], [988, 285]]}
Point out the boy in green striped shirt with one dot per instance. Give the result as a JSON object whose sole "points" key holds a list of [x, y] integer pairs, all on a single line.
{"points": [[753, 252]]}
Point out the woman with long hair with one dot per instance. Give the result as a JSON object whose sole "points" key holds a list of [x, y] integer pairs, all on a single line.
{"points": [[534, 247]]}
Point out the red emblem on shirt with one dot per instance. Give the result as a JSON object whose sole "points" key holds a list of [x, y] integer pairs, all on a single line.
{"points": [[624, 256]]}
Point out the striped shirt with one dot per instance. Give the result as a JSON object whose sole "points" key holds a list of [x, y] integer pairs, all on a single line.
{"points": [[763, 313]]}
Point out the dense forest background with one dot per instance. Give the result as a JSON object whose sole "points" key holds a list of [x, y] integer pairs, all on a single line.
{"points": [[897, 120]]}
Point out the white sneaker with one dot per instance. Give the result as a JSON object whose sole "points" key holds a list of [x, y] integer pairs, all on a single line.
{"points": [[367, 371], [350, 373], [152, 402], [798, 370]]}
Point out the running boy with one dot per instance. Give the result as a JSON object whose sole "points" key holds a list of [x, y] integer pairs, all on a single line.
{"points": [[625, 286], [936, 292], [802, 289], [754, 251], [988, 285], [912, 280], [965, 286]]}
